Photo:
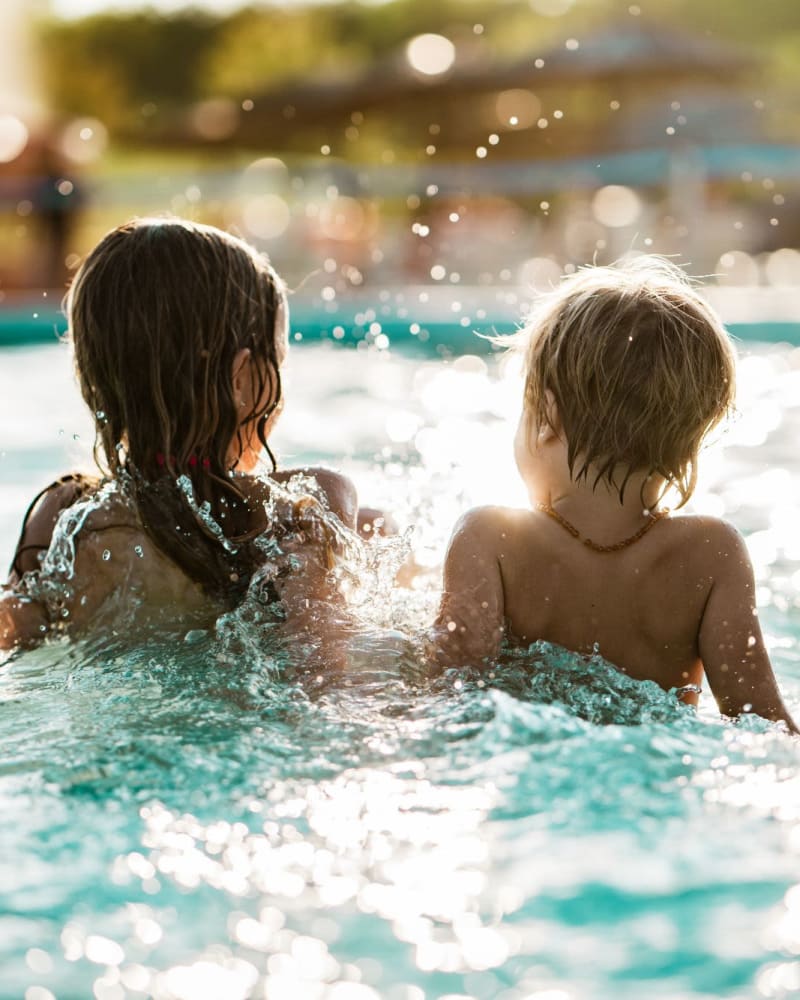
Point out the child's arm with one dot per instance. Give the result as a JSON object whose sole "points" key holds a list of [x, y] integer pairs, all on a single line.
{"points": [[341, 497], [469, 626], [23, 622], [339, 491], [731, 645]]}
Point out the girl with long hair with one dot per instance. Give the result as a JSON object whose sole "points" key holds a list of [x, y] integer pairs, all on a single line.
{"points": [[179, 333]]}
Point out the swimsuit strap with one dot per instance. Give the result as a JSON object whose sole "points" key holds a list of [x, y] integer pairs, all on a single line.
{"points": [[82, 485], [652, 519]]}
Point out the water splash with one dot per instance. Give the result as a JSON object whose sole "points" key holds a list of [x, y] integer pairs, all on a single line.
{"points": [[53, 585], [203, 514]]}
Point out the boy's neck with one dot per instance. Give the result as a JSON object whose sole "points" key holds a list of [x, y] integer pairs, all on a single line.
{"points": [[599, 506]]}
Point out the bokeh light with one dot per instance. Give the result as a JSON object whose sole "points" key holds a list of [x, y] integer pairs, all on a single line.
{"points": [[616, 206], [343, 218], [84, 140], [783, 267], [539, 273], [431, 54], [267, 173], [736, 267], [266, 216], [517, 108], [215, 119], [13, 137]]}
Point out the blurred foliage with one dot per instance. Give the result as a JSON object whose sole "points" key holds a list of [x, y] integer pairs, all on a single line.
{"points": [[115, 65], [254, 49]]}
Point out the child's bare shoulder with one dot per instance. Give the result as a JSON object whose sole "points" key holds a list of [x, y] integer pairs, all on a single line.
{"points": [[41, 517], [711, 544], [712, 533], [490, 525]]}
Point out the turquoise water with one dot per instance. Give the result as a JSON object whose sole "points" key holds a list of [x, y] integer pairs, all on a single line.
{"points": [[185, 822]]}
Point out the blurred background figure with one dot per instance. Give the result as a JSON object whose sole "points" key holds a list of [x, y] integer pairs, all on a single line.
{"points": [[39, 190], [54, 196]]}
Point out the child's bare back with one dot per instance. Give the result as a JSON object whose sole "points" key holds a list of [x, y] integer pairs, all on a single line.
{"points": [[677, 603], [627, 371], [85, 559]]}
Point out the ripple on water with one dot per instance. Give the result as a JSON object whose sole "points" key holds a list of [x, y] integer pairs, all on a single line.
{"points": [[200, 829], [209, 818]]}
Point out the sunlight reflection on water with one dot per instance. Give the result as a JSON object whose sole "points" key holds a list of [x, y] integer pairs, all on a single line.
{"points": [[377, 841]]}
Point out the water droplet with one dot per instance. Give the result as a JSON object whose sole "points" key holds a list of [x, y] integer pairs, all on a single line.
{"points": [[106, 555], [139, 551]]}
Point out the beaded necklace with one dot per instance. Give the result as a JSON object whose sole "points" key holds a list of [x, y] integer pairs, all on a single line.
{"points": [[653, 518]]}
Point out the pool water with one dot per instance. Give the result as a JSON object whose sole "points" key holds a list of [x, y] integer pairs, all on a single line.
{"points": [[185, 824]]}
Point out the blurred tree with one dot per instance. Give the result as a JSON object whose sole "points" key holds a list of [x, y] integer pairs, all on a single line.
{"points": [[377, 30], [110, 65], [254, 48], [113, 65]]}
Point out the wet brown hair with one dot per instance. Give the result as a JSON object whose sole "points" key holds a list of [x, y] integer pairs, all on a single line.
{"points": [[157, 313], [640, 367]]}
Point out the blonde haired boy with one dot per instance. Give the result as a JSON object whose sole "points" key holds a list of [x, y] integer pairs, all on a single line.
{"points": [[627, 370]]}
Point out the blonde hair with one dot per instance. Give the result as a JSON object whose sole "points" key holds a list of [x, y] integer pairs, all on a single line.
{"points": [[640, 367]]}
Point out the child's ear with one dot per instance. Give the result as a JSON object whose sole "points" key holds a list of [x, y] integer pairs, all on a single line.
{"points": [[240, 373], [551, 428]]}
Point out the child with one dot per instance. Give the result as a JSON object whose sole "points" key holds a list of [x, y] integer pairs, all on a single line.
{"points": [[179, 332], [627, 371]]}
